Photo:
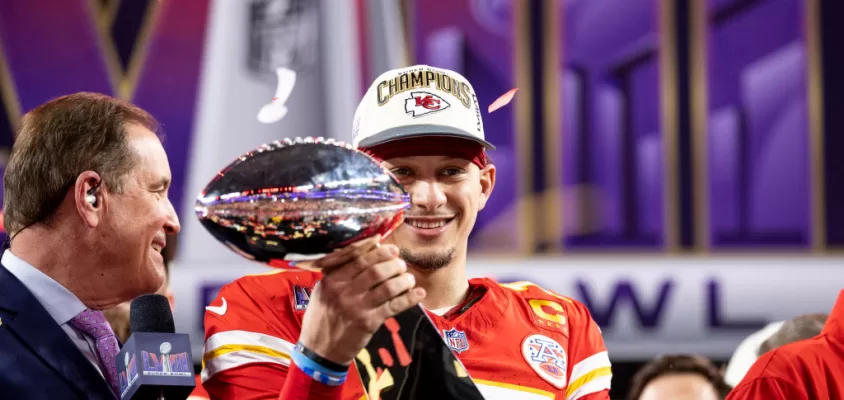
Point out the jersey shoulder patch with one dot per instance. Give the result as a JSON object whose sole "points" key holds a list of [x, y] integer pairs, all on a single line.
{"points": [[275, 292], [294, 287], [547, 310]]}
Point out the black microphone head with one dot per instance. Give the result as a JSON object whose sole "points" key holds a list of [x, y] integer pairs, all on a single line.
{"points": [[151, 313]]}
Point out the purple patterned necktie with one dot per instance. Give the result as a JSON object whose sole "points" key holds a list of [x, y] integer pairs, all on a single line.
{"points": [[95, 325]]}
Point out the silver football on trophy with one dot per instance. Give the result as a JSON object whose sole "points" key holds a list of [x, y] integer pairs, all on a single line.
{"points": [[296, 198]]}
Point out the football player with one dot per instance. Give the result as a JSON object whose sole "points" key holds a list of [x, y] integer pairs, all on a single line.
{"points": [[294, 334]]}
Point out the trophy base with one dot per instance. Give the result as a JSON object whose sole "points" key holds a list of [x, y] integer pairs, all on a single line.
{"points": [[407, 358]]}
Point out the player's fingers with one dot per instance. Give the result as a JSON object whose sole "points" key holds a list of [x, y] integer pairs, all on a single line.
{"points": [[400, 303], [345, 255], [364, 262], [388, 290], [376, 275]]}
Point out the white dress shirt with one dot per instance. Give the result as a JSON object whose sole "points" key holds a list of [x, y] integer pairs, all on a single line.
{"points": [[56, 299]]}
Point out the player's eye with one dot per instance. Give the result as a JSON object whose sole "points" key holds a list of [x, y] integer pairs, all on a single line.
{"points": [[401, 172], [452, 171]]}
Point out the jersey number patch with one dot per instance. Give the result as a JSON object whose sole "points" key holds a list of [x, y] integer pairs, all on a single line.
{"points": [[550, 315]]}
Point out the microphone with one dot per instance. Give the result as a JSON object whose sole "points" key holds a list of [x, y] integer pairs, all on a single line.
{"points": [[155, 363]]}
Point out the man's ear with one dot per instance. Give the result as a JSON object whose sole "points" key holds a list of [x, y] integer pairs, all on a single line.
{"points": [[487, 184], [88, 197]]}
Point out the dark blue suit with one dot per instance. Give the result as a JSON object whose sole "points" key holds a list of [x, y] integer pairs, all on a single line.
{"points": [[37, 358]]}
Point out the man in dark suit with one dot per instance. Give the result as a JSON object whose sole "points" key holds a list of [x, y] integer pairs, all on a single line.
{"points": [[87, 212]]}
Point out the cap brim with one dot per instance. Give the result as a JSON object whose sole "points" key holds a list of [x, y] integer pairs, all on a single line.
{"points": [[413, 131]]}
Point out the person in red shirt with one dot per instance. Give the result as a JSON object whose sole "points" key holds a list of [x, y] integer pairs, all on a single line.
{"points": [[294, 334], [811, 369]]}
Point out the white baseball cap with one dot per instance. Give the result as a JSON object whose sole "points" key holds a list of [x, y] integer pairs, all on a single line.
{"points": [[418, 101]]}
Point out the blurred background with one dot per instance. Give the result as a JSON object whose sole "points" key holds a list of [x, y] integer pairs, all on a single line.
{"points": [[674, 164]]}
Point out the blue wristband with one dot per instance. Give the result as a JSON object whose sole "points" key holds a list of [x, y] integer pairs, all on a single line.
{"points": [[317, 372]]}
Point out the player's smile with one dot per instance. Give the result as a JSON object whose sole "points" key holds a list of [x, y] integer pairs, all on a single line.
{"points": [[429, 226]]}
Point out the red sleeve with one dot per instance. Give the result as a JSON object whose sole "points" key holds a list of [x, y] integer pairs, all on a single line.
{"points": [[249, 335], [591, 371], [766, 389], [300, 386], [602, 395], [198, 392], [775, 375]]}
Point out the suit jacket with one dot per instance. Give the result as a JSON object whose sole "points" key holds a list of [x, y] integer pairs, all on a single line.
{"points": [[37, 358]]}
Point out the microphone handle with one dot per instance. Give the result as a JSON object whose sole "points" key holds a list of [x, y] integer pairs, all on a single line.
{"points": [[161, 395]]}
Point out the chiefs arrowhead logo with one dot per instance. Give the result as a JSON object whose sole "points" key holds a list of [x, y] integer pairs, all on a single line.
{"points": [[424, 103]]}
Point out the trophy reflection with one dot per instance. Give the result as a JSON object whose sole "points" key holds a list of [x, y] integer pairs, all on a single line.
{"points": [[300, 198]]}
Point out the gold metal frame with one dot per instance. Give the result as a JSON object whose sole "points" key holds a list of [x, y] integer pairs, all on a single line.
{"points": [[698, 64], [9, 91], [552, 199], [814, 86], [670, 124], [526, 202]]}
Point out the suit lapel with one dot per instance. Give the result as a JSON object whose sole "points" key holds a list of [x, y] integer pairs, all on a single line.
{"points": [[34, 326]]}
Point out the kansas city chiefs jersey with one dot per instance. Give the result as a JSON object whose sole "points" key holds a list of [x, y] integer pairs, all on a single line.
{"points": [[517, 341]]}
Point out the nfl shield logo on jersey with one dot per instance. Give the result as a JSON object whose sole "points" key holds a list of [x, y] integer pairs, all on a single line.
{"points": [[456, 340], [547, 358]]}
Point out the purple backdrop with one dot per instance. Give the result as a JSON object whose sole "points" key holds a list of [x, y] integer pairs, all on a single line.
{"points": [[611, 138], [759, 175]]}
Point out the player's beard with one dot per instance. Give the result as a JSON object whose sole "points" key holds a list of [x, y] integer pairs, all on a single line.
{"points": [[428, 261]]}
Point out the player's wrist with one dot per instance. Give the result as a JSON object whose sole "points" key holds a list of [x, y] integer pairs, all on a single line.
{"points": [[321, 360], [317, 367], [324, 349]]}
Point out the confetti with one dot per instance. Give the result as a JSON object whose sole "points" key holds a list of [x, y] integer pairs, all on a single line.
{"points": [[277, 109], [502, 101]]}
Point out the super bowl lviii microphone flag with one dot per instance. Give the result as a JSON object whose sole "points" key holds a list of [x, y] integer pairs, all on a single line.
{"points": [[155, 363]]}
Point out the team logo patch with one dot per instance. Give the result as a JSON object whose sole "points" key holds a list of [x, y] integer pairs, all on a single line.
{"points": [[547, 358], [423, 103], [456, 340]]}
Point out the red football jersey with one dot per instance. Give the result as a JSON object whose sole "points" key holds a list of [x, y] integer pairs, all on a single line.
{"points": [[810, 369], [199, 392], [518, 341]]}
